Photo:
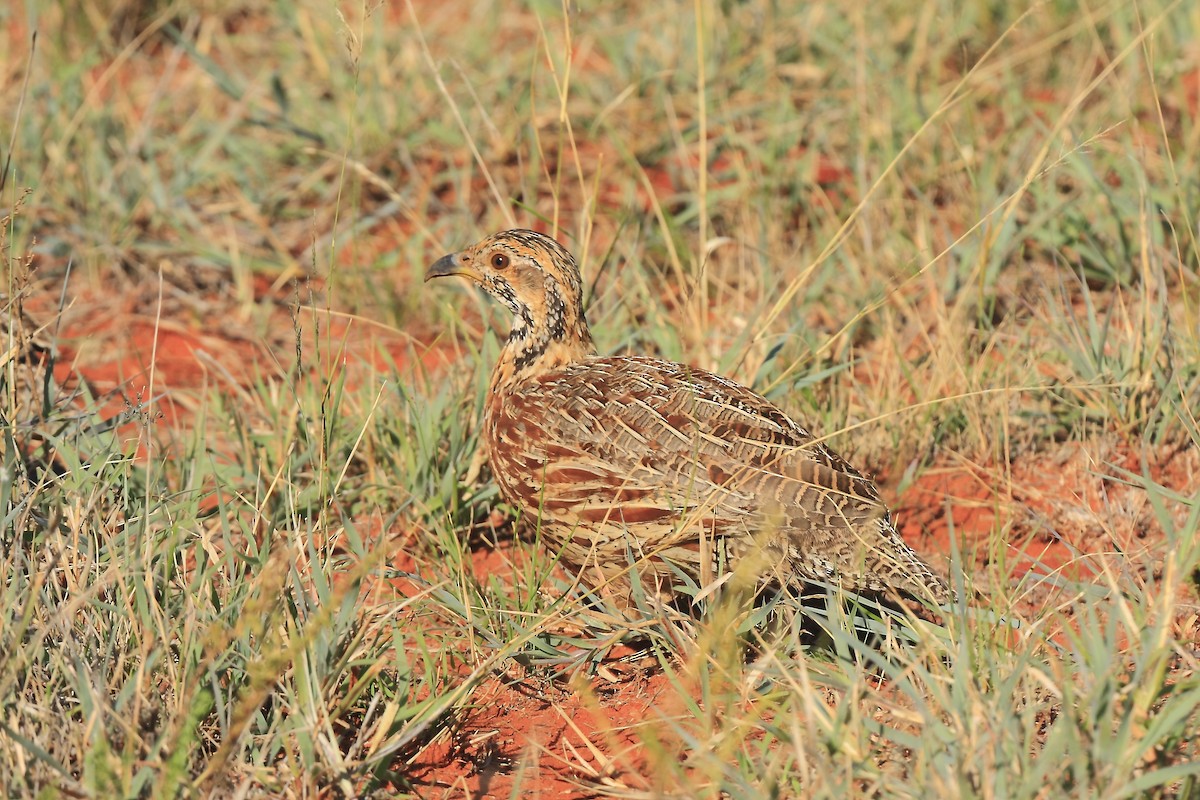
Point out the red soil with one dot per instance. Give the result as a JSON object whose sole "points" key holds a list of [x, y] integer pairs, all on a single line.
{"points": [[549, 739], [123, 349], [1062, 510]]}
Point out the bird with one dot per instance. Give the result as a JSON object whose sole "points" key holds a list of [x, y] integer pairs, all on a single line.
{"points": [[637, 465]]}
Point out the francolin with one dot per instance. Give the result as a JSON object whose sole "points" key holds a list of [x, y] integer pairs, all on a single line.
{"points": [[620, 456]]}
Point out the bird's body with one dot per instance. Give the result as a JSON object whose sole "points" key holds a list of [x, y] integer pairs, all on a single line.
{"points": [[677, 467]]}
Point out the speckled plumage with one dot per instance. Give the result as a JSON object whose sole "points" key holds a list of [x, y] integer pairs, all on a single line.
{"points": [[625, 454]]}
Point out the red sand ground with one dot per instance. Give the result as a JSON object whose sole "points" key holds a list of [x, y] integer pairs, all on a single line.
{"points": [[553, 740]]}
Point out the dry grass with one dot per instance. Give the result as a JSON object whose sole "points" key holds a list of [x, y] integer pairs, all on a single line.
{"points": [[953, 233]]}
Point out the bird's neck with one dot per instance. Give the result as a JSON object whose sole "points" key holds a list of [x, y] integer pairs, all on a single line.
{"points": [[542, 340]]}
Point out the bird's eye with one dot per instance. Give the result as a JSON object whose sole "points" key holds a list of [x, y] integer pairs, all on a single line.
{"points": [[499, 260]]}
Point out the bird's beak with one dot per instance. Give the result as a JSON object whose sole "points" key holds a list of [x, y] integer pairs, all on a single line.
{"points": [[451, 265]]}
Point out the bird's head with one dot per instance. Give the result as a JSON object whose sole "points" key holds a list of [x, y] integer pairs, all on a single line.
{"points": [[539, 281]]}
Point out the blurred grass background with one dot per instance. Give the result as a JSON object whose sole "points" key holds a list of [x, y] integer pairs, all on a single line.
{"points": [[940, 232]]}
